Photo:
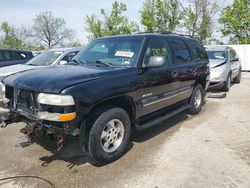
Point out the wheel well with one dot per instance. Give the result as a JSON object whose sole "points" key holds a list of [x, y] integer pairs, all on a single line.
{"points": [[201, 81], [124, 102]]}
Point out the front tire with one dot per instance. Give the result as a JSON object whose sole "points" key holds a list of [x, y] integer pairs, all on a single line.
{"points": [[227, 83], [196, 100], [109, 136], [238, 78]]}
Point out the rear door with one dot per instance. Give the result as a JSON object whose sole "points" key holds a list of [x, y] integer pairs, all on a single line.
{"points": [[159, 86], [235, 64], [187, 66]]}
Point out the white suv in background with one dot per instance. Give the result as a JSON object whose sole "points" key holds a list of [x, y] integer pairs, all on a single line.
{"points": [[225, 67]]}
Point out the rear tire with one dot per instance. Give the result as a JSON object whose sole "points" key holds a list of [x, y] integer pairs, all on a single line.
{"points": [[109, 136], [238, 78], [227, 83], [196, 100]]}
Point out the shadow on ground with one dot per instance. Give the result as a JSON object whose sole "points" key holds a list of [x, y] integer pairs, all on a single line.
{"points": [[72, 154]]}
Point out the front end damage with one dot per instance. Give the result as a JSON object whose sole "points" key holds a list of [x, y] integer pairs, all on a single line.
{"points": [[56, 121]]}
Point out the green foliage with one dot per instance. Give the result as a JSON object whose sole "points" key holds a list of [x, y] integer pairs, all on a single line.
{"points": [[148, 15], [160, 15], [236, 21], [198, 18], [10, 38], [114, 23]]}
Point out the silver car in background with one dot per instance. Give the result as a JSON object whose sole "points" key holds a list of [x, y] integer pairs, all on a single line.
{"points": [[225, 67], [51, 57]]}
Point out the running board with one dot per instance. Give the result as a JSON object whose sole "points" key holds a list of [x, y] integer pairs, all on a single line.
{"points": [[157, 120]]}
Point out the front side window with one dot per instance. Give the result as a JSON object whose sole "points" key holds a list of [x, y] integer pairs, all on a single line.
{"points": [[120, 51], [45, 58], [220, 55], [158, 47], [232, 55], [180, 50]]}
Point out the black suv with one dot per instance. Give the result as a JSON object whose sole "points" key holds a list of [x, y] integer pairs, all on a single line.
{"points": [[13, 57], [113, 85]]}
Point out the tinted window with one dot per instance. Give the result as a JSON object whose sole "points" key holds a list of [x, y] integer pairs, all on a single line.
{"points": [[19, 56], [180, 50], [6, 56], [197, 50], [158, 47]]}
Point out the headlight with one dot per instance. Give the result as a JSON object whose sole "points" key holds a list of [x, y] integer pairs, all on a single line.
{"points": [[2, 93], [219, 69], [55, 100]]}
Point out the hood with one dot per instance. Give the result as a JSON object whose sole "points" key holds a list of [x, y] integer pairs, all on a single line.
{"points": [[216, 62], [6, 71], [55, 79]]}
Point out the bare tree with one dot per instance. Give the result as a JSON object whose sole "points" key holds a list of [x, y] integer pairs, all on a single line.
{"points": [[50, 30]]}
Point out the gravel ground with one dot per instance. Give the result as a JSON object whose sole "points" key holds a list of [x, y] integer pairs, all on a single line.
{"points": [[211, 149]]}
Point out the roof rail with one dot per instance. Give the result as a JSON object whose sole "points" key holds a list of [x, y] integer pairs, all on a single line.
{"points": [[166, 33]]}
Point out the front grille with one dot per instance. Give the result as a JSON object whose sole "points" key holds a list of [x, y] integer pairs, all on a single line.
{"points": [[24, 101]]}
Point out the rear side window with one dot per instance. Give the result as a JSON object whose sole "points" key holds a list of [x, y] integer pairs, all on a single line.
{"points": [[6, 56], [197, 50], [180, 51], [19, 56]]}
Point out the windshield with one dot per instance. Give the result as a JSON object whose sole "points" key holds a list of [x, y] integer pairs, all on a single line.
{"points": [[45, 58], [122, 51], [222, 55]]}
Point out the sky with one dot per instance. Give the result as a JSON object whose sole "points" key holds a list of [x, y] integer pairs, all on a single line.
{"points": [[22, 12]]}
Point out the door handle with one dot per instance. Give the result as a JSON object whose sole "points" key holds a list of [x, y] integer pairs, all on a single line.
{"points": [[175, 74]]}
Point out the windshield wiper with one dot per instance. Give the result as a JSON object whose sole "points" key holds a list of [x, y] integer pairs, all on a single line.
{"points": [[31, 64], [102, 63]]}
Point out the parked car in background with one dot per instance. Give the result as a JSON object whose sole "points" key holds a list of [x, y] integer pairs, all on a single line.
{"points": [[225, 67], [113, 85], [12, 57], [48, 58]]}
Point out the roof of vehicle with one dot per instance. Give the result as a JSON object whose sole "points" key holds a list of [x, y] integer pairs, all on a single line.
{"points": [[150, 34], [65, 49], [11, 49], [217, 48]]}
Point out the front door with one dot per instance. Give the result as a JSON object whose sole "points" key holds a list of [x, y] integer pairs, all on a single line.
{"points": [[159, 85]]}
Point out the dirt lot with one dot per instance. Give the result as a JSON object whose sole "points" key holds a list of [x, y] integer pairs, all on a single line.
{"points": [[211, 149]]}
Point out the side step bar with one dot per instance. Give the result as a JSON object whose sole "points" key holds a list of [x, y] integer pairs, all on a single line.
{"points": [[153, 122]]}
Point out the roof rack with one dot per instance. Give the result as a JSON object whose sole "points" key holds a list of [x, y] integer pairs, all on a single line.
{"points": [[166, 33]]}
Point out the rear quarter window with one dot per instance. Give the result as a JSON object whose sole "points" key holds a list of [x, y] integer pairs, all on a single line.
{"points": [[197, 50]]}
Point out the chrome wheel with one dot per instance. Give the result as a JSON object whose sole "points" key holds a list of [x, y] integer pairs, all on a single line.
{"points": [[197, 99], [112, 135]]}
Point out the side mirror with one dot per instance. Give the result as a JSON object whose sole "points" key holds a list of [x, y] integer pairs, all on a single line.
{"points": [[156, 61], [235, 59], [63, 62]]}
